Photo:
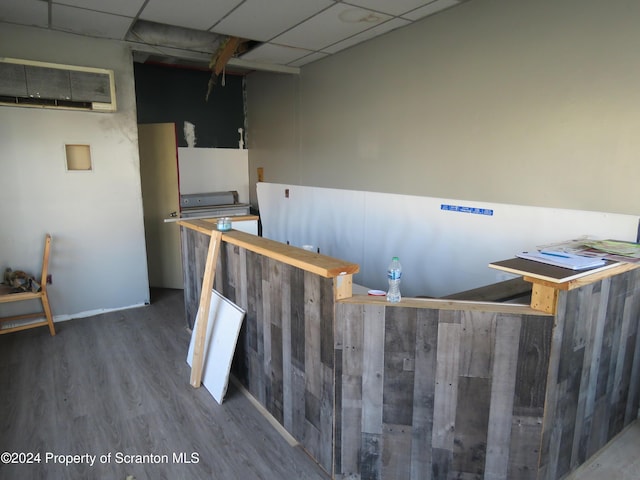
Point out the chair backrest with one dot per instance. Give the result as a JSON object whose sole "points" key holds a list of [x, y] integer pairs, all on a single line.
{"points": [[45, 262]]}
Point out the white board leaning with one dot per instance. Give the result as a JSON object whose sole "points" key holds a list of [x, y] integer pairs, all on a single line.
{"points": [[225, 320]]}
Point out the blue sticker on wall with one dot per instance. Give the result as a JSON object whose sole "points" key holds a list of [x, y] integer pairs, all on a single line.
{"points": [[463, 209]]}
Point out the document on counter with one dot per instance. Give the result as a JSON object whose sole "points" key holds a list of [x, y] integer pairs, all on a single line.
{"points": [[562, 259], [613, 250]]}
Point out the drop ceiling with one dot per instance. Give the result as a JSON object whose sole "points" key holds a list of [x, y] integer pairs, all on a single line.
{"points": [[284, 34]]}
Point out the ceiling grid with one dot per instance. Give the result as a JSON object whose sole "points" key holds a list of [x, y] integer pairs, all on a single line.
{"points": [[284, 34]]}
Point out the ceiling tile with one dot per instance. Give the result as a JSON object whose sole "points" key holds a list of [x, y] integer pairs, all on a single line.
{"points": [[88, 22], [430, 9], [367, 35], [397, 7], [295, 32], [260, 20], [334, 24], [198, 14], [128, 8], [25, 12], [278, 54]]}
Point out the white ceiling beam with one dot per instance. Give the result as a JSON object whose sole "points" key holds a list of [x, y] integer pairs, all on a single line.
{"points": [[263, 67]]}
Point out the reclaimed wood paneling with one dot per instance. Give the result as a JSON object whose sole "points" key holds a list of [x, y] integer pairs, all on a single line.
{"points": [[371, 457], [533, 364], [477, 343], [591, 391], [285, 352], [473, 408], [296, 286], [633, 307], [445, 413], [399, 330], [446, 394], [523, 452], [416, 391], [396, 452], [503, 384], [324, 454], [373, 370], [287, 364], [351, 351], [424, 393], [194, 255]]}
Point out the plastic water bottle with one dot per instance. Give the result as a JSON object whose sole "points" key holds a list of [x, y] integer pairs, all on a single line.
{"points": [[394, 273]]}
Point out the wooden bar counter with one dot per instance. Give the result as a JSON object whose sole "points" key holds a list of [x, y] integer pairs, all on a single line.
{"points": [[285, 352], [441, 389], [427, 388]]}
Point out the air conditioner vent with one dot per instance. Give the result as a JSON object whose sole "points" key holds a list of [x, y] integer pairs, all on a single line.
{"points": [[46, 85]]}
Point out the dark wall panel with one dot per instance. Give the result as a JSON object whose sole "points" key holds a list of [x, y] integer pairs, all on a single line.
{"points": [[177, 95]]}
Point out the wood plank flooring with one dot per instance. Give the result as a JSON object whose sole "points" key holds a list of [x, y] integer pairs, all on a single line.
{"points": [[117, 384]]}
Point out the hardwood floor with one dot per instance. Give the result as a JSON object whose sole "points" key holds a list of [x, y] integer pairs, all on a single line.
{"points": [[117, 384]]}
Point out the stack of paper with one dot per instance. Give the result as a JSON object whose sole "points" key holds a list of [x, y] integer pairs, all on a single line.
{"points": [[562, 259]]}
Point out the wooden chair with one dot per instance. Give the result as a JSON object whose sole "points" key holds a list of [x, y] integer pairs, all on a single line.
{"points": [[25, 296]]}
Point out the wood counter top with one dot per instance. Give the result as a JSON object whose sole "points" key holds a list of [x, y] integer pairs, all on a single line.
{"points": [[548, 280], [443, 304], [317, 263], [557, 277]]}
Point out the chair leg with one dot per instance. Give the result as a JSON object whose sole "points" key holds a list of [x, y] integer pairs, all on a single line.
{"points": [[47, 312]]}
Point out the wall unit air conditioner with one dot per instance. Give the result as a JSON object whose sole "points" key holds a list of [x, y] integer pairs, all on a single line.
{"points": [[26, 83]]}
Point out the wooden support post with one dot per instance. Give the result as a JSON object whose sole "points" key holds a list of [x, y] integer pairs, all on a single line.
{"points": [[544, 298], [203, 310], [343, 286]]}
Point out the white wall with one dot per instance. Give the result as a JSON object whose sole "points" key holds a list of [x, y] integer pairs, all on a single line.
{"points": [[214, 170], [442, 250], [98, 258], [273, 129], [529, 103]]}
